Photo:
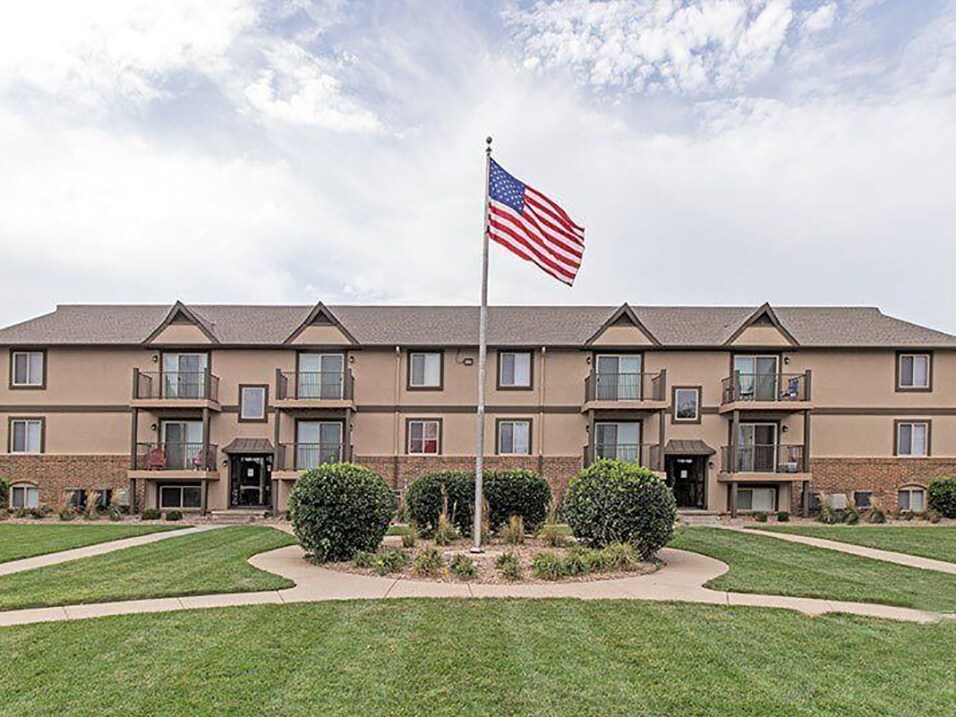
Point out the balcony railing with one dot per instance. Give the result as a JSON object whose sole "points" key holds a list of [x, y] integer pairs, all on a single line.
{"points": [[624, 387], [747, 387], [175, 456], [644, 454], [314, 385], [764, 459], [303, 456], [175, 385]]}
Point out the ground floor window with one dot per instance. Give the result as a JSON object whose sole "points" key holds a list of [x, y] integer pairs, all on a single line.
{"points": [[24, 496], [762, 499], [76, 497], [188, 495], [862, 498], [912, 498]]}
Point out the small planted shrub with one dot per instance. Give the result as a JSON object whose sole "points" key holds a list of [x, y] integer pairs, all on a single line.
{"points": [[620, 556], [363, 559], [760, 516], [512, 532], [114, 513], [933, 516], [614, 502], [548, 566], [578, 560], [427, 564], [445, 532], [875, 515], [174, 515], [907, 515], [151, 514], [67, 513], [509, 567], [338, 509], [942, 496], [554, 536], [463, 567], [410, 536], [390, 560], [851, 516], [828, 515], [783, 516]]}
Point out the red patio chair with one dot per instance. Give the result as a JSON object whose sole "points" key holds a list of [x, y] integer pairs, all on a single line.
{"points": [[155, 459]]}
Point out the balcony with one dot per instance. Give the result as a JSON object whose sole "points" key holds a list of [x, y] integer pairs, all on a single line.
{"points": [[644, 454], [758, 463], [765, 391], [175, 460], [314, 389], [175, 389], [625, 391], [292, 459]]}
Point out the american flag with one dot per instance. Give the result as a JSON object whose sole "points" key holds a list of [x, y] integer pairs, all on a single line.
{"points": [[525, 221]]}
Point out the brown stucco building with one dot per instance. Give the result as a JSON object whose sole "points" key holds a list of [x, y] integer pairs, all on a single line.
{"points": [[218, 407]]}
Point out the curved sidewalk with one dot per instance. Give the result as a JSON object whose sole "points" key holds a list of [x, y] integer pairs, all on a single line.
{"points": [[680, 580]]}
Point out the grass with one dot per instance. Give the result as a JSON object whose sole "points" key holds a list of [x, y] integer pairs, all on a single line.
{"points": [[926, 542], [478, 657], [763, 564], [209, 562], [18, 541], [398, 529]]}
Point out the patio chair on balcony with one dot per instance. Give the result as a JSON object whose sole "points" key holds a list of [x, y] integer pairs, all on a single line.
{"points": [[792, 392], [204, 465], [156, 459]]}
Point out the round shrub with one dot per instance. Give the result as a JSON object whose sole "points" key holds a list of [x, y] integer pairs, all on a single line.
{"points": [[339, 509], [942, 496], [615, 502], [516, 492]]}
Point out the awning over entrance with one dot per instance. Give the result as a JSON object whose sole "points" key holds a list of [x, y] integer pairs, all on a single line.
{"points": [[249, 446], [687, 448]]}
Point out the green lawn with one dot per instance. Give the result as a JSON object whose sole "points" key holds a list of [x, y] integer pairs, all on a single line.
{"points": [[927, 542], [480, 657], [763, 564], [209, 562], [18, 541]]}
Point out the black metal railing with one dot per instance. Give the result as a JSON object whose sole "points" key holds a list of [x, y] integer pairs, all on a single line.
{"points": [[303, 456], [175, 385], [625, 387], [644, 454], [175, 456], [745, 387], [764, 459], [314, 385]]}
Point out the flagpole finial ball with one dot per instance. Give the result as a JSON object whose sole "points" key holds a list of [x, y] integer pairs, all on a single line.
{"points": [[488, 141]]}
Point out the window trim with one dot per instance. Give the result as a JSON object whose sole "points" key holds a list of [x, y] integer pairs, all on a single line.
{"points": [[28, 386], [929, 372], [909, 488], [441, 370], [265, 403], [499, 421], [869, 501], [11, 420], [700, 399], [504, 387], [408, 435], [910, 421], [181, 487], [25, 485]]}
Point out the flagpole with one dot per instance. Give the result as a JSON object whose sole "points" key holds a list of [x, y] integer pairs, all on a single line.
{"points": [[482, 356]]}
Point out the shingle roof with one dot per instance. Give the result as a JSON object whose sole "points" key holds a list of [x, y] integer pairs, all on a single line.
{"points": [[458, 325]]}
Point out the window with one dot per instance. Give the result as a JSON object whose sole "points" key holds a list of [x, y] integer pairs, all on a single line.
{"points": [[27, 369], [26, 435], [184, 375], [758, 499], [514, 369], [912, 499], [24, 496], [76, 497], [104, 497], [912, 439], [618, 441], [318, 442], [188, 495], [423, 437], [619, 378], [182, 445], [756, 377], [425, 370], [913, 372], [687, 404], [321, 376], [252, 403], [862, 498], [514, 438]]}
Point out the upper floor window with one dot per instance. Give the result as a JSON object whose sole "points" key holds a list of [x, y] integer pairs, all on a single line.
{"points": [[252, 403], [687, 404], [424, 437], [27, 369], [425, 369], [514, 437], [912, 438], [24, 495], [514, 369], [913, 371], [26, 435]]}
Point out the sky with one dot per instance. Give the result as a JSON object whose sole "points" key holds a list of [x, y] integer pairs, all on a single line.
{"points": [[724, 152]]}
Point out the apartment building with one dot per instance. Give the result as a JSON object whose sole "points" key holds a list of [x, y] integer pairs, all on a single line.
{"points": [[223, 407]]}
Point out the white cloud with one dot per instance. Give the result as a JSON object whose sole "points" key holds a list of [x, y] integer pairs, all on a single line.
{"points": [[821, 18]]}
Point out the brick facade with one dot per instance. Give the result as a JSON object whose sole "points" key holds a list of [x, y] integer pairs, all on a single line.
{"points": [[882, 476], [55, 474]]}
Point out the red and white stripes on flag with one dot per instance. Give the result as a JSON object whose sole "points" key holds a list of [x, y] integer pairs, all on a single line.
{"points": [[532, 226]]}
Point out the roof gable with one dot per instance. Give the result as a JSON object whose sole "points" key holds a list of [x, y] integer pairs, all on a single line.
{"points": [[762, 328], [181, 325], [320, 326], [623, 328]]}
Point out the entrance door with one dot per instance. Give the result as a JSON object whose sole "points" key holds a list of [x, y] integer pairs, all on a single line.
{"points": [[757, 447], [686, 477], [251, 481]]}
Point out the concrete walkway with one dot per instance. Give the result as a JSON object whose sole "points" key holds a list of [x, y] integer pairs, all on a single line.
{"points": [[680, 580], [42, 561], [887, 556]]}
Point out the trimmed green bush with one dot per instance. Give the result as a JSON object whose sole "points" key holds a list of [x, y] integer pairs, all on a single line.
{"points": [[338, 509], [151, 514], [174, 515], [463, 567], [548, 566], [942, 496], [759, 516], [783, 516], [427, 563], [391, 560], [615, 502], [509, 567], [513, 492]]}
